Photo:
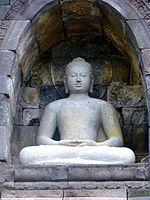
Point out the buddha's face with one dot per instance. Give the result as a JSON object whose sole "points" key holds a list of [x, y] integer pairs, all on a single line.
{"points": [[78, 79]]}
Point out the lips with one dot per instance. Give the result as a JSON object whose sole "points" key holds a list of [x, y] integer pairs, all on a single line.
{"points": [[78, 85]]}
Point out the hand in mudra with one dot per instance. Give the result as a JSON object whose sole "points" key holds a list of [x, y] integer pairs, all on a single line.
{"points": [[77, 143]]}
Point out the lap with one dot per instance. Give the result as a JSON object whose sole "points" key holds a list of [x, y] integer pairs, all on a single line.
{"points": [[97, 153]]}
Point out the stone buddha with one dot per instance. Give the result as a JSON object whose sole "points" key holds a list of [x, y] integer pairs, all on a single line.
{"points": [[89, 128]]}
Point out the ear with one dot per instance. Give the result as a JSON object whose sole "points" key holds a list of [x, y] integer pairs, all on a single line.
{"points": [[65, 84], [92, 83]]}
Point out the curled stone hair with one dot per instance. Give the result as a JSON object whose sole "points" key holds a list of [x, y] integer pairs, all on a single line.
{"points": [[78, 61]]}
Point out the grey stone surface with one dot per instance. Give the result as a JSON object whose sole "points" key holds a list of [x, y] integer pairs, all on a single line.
{"points": [[8, 185], [51, 93], [80, 173], [126, 96], [6, 62], [31, 117], [6, 86], [28, 97], [23, 136], [32, 194], [135, 116], [47, 185], [124, 8], [82, 185], [53, 173], [94, 198], [32, 8], [7, 173], [5, 113], [139, 31], [4, 144], [140, 173], [14, 33], [146, 60], [19, 116], [75, 185], [3, 11]]}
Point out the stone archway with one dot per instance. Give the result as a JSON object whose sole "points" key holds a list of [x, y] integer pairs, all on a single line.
{"points": [[31, 35]]}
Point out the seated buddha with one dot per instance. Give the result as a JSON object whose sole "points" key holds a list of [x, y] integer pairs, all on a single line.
{"points": [[89, 128]]}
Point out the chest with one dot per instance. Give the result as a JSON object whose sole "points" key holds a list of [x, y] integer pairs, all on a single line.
{"points": [[78, 112]]}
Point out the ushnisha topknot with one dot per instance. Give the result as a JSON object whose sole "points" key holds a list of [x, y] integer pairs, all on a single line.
{"points": [[78, 61]]}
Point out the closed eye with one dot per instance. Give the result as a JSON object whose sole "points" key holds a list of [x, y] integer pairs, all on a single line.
{"points": [[83, 75], [72, 75]]}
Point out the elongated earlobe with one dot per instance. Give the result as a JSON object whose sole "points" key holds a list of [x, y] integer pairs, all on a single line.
{"points": [[65, 84], [91, 87]]}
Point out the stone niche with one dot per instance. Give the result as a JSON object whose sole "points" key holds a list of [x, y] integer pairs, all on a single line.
{"points": [[115, 80], [46, 38]]}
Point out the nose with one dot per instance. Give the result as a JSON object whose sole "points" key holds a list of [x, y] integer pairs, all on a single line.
{"points": [[78, 78]]}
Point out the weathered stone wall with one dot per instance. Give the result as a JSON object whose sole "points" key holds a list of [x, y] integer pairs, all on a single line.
{"points": [[76, 181], [115, 80]]}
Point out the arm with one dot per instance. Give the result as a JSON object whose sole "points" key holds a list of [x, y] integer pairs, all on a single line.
{"points": [[111, 126], [47, 126]]}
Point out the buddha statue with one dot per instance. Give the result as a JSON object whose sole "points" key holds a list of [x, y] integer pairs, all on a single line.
{"points": [[89, 128]]}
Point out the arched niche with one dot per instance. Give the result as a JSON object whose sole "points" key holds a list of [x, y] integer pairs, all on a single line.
{"points": [[112, 29]]}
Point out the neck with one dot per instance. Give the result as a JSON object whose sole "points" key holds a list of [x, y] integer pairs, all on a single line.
{"points": [[79, 96]]}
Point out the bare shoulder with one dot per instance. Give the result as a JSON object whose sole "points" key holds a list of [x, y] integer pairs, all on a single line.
{"points": [[103, 104], [55, 105], [100, 102]]}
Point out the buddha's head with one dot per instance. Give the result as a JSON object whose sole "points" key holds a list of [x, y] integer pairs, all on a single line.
{"points": [[78, 77]]}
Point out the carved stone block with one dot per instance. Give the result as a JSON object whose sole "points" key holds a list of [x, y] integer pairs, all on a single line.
{"points": [[5, 112], [6, 62], [136, 138], [33, 194], [140, 34], [126, 96], [120, 70], [31, 117], [4, 144], [35, 174], [23, 136], [14, 33], [42, 26], [29, 97], [135, 116], [51, 93], [83, 26], [146, 60], [79, 8]]}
